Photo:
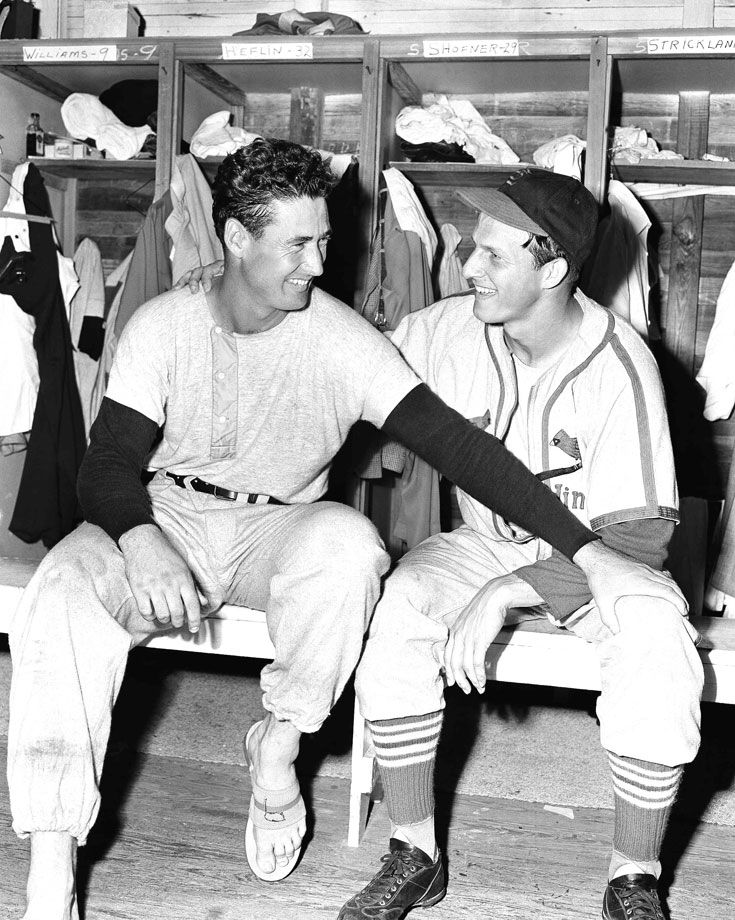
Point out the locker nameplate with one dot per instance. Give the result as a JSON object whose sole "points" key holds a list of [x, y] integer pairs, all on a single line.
{"points": [[258, 51], [687, 44], [449, 47], [69, 53]]}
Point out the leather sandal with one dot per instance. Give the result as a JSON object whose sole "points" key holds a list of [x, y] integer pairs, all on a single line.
{"points": [[271, 810]]}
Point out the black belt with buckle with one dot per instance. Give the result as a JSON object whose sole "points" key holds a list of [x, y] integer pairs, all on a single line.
{"points": [[228, 495]]}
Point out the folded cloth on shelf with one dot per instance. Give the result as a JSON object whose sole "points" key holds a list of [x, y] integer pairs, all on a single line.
{"points": [[562, 155], [293, 22], [135, 102], [338, 162], [435, 152], [85, 116], [454, 121], [632, 144], [429, 124], [215, 137]]}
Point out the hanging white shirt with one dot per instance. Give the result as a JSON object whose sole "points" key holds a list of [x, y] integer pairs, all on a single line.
{"points": [[717, 373], [19, 378], [190, 223]]}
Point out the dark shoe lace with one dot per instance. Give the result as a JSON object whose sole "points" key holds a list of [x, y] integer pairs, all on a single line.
{"points": [[399, 867], [640, 904]]}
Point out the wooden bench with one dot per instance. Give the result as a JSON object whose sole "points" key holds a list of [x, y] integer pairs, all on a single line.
{"points": [[534, 652]]}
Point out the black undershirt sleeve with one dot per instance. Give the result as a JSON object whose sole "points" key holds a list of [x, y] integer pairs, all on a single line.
{"points": [[483, 467], [109, 486]]}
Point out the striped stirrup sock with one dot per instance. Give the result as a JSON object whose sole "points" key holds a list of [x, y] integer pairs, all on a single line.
{"points": [[644, 795], [406, 752]]}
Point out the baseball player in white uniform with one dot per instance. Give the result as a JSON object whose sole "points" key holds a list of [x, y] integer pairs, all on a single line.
{"points": [[574, 392]]}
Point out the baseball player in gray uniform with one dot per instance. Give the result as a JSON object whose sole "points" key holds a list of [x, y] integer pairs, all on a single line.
{"points": [[573, 392]]}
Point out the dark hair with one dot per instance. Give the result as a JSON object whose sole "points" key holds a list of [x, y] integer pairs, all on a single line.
{"points": [[544, 249], [251, 178]]}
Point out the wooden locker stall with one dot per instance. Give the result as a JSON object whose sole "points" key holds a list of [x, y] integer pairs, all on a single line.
{"points": [[103, 199], [529, 90], [681, 89], [315, 91]]}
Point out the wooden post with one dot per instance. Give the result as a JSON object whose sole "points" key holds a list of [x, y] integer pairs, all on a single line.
{"points": [[598, 114], [307, 106], [679, 320], [169, 116], [689, 434], [68, 226], [238, 116], [698, 14], [374, 87]]}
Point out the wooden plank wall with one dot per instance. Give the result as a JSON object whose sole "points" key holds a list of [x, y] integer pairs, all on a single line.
{"points": [[214, 17], [112, 213], [724, 14]]}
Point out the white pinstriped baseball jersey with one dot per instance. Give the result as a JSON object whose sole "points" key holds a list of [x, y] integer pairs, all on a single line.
{"points": [[597, 429]]}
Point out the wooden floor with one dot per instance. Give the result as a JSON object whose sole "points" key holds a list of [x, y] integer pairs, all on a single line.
{"points": [[168, 846]]}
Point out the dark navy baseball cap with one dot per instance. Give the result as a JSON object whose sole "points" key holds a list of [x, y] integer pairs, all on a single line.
{"points": [[546, 204]]}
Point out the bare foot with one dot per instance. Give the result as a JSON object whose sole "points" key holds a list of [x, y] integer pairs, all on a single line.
{"points": [[272, 748], [51, 889]]}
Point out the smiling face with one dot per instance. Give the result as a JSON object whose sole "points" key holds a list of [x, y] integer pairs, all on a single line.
{"points": [[502, 272], [278, 268]]}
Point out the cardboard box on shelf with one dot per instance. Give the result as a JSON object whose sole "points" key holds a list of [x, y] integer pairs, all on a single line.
{"points": [[82, 151], [63, 148], [111, 19]]}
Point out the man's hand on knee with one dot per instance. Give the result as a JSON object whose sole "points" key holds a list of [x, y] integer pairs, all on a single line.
{"points": [[612, 576], [161, 581]]}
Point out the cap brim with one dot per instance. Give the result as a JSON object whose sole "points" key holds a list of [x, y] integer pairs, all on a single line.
{"points": [[497, 205]]}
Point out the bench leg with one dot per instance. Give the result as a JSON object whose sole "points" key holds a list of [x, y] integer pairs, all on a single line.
{"points": [[362, 783]]}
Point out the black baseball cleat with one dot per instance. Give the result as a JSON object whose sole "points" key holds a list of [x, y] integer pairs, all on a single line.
{"points": [[409, 879], [632, 897]]}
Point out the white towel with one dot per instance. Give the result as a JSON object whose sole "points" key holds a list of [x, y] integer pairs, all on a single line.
{"points": [[85, 116], [717, 374]]}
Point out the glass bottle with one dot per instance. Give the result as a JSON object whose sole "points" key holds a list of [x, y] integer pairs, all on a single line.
{"points": [[34, 136]]}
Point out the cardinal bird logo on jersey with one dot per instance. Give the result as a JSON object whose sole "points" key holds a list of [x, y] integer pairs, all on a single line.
{"points": [[567, 443]]}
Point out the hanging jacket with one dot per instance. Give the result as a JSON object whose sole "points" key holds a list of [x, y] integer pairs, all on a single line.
{"points": [[617, 272], [399, 283], [46, 507], [86, 322], [149, 272], [190, 223]]}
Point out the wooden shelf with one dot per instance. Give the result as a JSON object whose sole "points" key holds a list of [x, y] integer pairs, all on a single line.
{"points": [[96, 169], [673, 43], [270, 49], [679, 172], [457, 174], [471, 46]]}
